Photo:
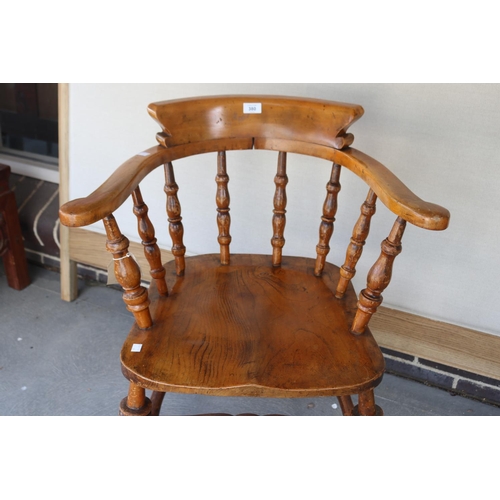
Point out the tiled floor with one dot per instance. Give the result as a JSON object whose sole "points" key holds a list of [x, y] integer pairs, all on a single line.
{"points": [[61, 358]]}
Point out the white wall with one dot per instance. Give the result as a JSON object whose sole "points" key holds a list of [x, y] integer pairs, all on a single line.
{"points": [[441, 140]]}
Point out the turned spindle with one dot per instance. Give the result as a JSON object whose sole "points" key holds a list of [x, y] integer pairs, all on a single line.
{"points": [[358, 239], [127, 273], [327, 220], [279, 218], [379, 277], [175, 227], [147, 233], [222, 199]]}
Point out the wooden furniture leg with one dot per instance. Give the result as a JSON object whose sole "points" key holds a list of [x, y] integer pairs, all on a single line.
{"points": [[136, 404], [366, 405], [156, 402], [11, 239], [346, 405]]}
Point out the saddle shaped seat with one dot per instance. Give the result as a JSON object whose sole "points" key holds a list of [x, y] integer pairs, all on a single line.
{"points": [[251, 329], [248, 324]]}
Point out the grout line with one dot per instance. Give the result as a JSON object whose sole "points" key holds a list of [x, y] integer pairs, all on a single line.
{"points": [[28, 198], [456, 378], [43, 255], [21, 179]]}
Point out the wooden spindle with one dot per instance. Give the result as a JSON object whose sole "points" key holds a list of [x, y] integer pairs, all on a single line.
{"points": [[379, 277], [222, 199], [127, 273], [279, 218], [358, 239], [147, 233], [326, 226], [174, 218]]}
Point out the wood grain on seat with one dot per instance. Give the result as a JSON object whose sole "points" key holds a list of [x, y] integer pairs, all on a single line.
{"points": [[251, 329]]}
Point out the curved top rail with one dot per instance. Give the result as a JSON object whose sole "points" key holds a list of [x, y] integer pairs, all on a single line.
{"points": [[200, 119]]}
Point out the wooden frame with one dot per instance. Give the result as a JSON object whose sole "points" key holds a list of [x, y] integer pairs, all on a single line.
{"points": [[68, 267]]}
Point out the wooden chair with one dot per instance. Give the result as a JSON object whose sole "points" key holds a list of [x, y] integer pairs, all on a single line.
{"points": [[252, 325], [11, 240]]}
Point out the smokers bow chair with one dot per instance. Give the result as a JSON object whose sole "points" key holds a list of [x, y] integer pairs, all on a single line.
{"points": [[252, 325]]}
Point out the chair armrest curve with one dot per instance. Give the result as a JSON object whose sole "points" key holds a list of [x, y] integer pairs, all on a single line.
{"points": [[122, 182], [393, 193], [114, 191]]}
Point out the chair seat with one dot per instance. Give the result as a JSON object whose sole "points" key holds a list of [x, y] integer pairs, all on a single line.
{"points": [[251, 329]]}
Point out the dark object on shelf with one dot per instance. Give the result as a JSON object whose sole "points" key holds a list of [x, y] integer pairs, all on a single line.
{"points": [[11, 239]]}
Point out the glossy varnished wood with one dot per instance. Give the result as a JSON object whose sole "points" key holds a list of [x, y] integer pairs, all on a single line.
{"points": [[279, 212], [151, 250], [328, 219], [253, 329], [127, 273], [358, 239], [222, 199], [196, 120], [175, 227], [379, 277]]}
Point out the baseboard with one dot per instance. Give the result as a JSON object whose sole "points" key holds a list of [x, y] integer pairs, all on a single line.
{"points": [[457, 359], [439, 342]]}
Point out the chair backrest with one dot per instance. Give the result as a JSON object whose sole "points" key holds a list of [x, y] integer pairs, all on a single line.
{"points": [[202, 119], [283, 124]]}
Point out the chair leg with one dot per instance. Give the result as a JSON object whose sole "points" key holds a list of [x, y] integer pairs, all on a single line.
{"points": [[156, 401], [366, 405], [346, 405], [136, 404]]}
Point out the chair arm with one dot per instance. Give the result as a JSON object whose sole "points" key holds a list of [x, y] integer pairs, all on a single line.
{"points": [[114, 191], [120, 185], [392, 192]]}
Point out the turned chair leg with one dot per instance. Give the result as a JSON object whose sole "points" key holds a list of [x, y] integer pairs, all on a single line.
{"points": [[136, 403], [156, 402], [346, 405], [366, 405]]}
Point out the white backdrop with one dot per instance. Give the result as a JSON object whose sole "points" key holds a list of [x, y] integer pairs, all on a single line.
{"points": [[442, 140]]}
